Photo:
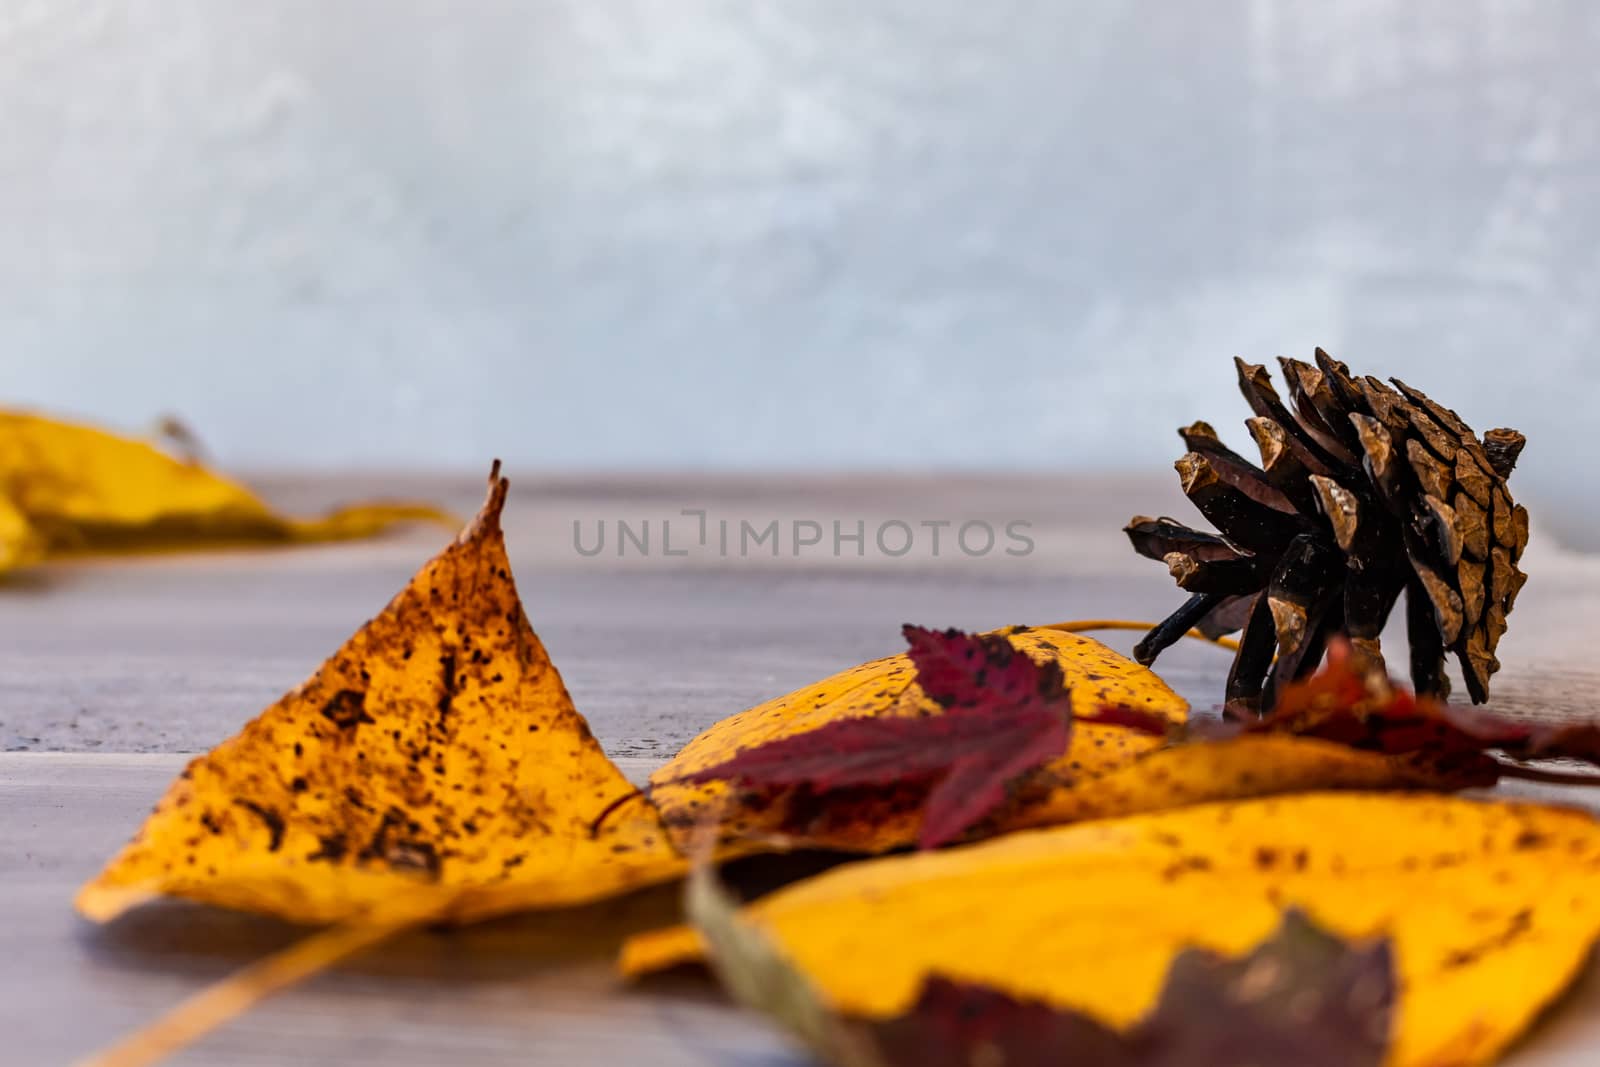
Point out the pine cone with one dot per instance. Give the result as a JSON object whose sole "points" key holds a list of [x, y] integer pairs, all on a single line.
{"points": [[1363, 491]]}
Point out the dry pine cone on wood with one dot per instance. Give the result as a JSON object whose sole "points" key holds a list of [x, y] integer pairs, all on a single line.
{"points": [[1364, 491]]}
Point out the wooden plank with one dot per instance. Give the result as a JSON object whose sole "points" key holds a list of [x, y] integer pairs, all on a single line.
{"points": [[532, 990]]}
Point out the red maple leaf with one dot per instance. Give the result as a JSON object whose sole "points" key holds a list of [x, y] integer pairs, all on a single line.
{"points": [[1005, 715], [979, 673], [1136, 719]]}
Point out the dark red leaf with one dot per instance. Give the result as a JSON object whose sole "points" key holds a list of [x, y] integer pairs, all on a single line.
{"points": [[956, 1024], [978, 778], [851, 753], [1005, 715], [979, 672], [1135, 719], [1525, 740], [1343, 704], [1302, 997]]}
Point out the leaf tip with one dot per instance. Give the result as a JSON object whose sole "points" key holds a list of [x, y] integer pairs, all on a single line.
{"points": [[488, 518], [100, 903]]}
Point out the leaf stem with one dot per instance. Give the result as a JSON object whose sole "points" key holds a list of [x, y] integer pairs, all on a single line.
{"points": [[234, 995], [611, 809]]}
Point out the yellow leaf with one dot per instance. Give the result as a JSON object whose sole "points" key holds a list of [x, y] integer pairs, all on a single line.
{"points": [[1491, 908], [1199, 772], [19, 544], [1094, 673], [760, 979], [85, 490], [434, 766]]}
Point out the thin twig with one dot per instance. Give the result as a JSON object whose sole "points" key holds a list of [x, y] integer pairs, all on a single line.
{"points": [[234, 995], [1539, 774]]}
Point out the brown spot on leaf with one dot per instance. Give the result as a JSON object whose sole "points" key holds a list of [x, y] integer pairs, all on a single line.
{"points": [[331, 848], [273, 820], [1519, 924], [347, 709], [447, 671]]}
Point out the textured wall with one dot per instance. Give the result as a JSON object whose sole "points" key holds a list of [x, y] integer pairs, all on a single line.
{"points": [[809, 232]]}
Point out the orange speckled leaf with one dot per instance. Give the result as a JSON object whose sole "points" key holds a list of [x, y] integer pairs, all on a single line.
{"points": [[882, 819], [434, 766], [1490, 909]]}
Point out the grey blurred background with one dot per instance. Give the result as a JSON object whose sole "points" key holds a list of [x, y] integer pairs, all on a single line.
{"points": [[810, 234]]}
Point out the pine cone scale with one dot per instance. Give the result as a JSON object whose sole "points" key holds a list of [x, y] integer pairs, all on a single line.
{"points": [[1318, 411], [1435, 475], [1245, 522], [1473, 480], [1236, 471], [1158, 538], [1256, 385], [1280, 464]]}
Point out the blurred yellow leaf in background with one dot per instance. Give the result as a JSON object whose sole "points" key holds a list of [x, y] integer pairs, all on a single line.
{"points": [[82, 489], [19, 544]]}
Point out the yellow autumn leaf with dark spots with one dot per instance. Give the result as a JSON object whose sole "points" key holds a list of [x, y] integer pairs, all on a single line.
{"points": [[433, 767], [1490, 908], [82, 489], [885, 819]]}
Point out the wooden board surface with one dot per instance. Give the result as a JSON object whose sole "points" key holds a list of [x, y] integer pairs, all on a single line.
{"points": [[109, 670], [528, 991]]}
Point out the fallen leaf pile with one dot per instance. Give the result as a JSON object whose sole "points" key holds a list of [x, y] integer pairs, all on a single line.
{"points": [[1126, 886], [67, 489]]}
